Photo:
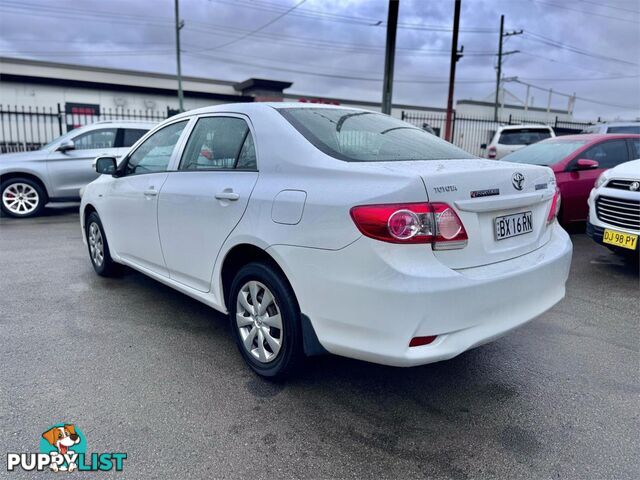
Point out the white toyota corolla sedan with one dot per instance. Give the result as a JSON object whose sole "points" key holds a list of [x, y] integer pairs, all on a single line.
{"points": [[328, 229]]}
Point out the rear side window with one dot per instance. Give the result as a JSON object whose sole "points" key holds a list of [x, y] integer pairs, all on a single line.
{"points": [[103, 138], [608, 154], [624, 129], [219, 143], [524, 136], [131, 136], [361, 136]]}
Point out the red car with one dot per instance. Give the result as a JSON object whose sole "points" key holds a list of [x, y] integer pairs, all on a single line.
{"points": [[577, 161]]}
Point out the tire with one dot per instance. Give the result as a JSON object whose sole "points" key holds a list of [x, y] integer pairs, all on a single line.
{"points": [[22, 197], [98, 247], [263, 355]]}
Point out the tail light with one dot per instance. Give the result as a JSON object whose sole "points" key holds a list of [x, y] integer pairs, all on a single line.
{"points": [[434, 223], [555, 207], [492, 152]]}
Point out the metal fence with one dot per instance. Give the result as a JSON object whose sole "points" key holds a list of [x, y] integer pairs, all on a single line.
{"points": [[30, 128], [469, 133]]}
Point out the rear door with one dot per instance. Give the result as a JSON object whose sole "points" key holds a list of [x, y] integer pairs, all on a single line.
{"points": [[202, 202], [576, 184]]}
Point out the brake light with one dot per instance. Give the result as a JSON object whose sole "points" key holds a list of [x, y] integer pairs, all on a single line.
{"points": [[555, 207], [434, 223], [492, 152]]}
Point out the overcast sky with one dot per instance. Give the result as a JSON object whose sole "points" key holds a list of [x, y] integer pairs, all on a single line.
{"points": [[335, 48]]}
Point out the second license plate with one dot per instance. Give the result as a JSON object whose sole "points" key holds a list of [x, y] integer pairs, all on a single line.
{"points": [[513, 225]]}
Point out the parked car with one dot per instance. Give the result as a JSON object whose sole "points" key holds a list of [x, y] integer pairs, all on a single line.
{"points": [[509, 138], [322, 228], [614, 127], [577, 161], [57, 172], [614, 208]]}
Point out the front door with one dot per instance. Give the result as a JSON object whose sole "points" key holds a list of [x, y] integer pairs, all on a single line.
{"points": [[202, 202], [71, 170], [131, 206]]}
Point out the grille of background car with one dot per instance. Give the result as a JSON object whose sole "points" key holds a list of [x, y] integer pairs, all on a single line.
{"points": [[620, 184], [619, 212]]}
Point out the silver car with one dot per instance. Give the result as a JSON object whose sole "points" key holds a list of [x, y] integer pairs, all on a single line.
{"points": [[57, 172]]}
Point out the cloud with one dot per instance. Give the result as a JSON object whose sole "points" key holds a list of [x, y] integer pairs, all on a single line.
{"points": [[340, 37]]}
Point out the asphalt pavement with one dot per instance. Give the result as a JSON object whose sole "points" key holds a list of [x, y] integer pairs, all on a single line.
{"points": [[145, 370]]}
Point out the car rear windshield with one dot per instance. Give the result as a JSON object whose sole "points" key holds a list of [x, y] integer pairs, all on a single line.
{"points": [[624, 129], [523, 136], [546, 153], [359, 136]]}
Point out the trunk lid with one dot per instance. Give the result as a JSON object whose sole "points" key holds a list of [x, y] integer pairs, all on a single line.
{"points": [[481, 191]]}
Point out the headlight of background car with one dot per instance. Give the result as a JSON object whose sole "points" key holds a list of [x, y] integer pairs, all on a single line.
{"points": [[601, 179]]}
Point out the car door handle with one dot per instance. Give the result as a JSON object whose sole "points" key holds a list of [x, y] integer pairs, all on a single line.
{"points": [[227, 195], [150, 193]]}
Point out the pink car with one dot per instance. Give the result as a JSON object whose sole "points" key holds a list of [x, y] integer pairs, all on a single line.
{"points": [[577, 161]]}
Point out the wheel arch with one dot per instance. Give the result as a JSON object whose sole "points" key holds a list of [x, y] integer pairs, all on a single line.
{"points": [[21, 174]]}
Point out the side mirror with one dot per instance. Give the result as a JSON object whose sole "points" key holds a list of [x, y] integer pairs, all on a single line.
{"points": [[483, 146], [66, 146], [586, 164], [106, 165]]}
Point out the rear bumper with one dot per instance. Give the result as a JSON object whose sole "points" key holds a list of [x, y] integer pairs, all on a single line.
{"points": [[369, 299]]}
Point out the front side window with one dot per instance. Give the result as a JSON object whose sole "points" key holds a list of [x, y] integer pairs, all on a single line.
{"points": [[155, 153], [103, 138], [635, 148], [359, 136], [524, 136], [219, 143], [608, 154]]}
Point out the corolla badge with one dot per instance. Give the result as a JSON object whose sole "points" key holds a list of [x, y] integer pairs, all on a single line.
{"points": [[517, 180], [634, 186]]}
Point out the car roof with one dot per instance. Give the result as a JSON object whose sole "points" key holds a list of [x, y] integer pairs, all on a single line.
{"points": [[256, 107], [524, 125], [591, 137], [617, 124], [120, 123]]}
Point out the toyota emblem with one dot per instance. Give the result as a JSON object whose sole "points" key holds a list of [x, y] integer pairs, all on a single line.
{"points": [[517, 180], [634, 186]]}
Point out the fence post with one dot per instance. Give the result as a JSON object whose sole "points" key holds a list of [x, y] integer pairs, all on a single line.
{"points": [[453, 126], [402, 115], [59, 119], [509, 119]]}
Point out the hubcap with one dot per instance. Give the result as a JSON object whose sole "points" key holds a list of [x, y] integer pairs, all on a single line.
{"points": [[20, 198], [259, 322], [96, 244]]}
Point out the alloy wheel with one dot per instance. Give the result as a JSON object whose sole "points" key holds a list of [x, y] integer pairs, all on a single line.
{"points": [[259, 322], [20, 198], [96, 244]]}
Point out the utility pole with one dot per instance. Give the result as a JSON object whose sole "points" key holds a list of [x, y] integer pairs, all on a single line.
{"points": [[389, 56], [179, 25], [499, 67], [455, 56]]}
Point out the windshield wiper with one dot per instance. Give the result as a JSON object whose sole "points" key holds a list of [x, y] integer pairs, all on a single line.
{"points": [[346, 117]]}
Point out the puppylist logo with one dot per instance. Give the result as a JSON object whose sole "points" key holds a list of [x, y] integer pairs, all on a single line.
{"points": [[63, 448]]}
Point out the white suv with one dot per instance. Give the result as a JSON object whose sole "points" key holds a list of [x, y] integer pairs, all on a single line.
{"points": [[614, 208], [320, 228], [509, 138], [59, 170]]}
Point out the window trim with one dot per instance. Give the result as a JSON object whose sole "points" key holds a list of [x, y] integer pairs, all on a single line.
{"points": [[120, 171], [223, 115]]}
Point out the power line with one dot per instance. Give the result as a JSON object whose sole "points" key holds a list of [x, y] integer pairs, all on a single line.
{"points": [[259, 29], [586, 12], [606, 5]]}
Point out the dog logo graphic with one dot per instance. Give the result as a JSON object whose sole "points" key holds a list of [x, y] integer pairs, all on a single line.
{"points": [[63, 438]]}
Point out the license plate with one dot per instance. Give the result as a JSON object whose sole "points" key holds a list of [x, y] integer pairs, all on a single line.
{"points": [[619, 239], [513, 225]]}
